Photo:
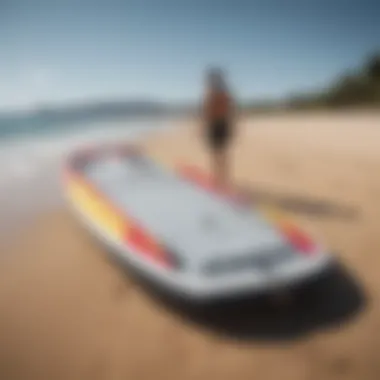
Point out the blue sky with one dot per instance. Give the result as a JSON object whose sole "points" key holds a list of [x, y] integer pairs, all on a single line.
{"points": [[57, 51]]}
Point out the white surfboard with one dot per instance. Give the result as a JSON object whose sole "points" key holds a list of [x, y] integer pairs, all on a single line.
{"points": [[191, 238]]}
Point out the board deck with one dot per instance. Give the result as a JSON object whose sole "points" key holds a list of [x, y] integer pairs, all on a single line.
{"points": [[193, 222], [147, 211]]}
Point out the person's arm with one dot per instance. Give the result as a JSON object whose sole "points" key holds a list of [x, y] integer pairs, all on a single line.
{"points": [[206, 108], [232, 114], [204, 114]]}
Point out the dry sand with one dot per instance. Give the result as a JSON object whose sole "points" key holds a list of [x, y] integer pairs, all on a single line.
{"points": [[68, 312]]}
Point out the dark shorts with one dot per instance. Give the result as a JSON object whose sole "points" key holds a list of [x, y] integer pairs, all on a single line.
{"points": [[218, 134]]}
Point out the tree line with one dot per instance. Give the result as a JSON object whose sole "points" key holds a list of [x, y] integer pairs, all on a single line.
{"points": [[358, 88]]}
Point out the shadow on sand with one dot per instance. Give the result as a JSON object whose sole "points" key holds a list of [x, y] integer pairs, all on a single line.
{"points": [[300, 204], [327, 302]]}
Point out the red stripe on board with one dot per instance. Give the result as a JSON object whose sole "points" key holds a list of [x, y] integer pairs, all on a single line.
{"points": [[296, 237], [204, 180], [197, 176], [146, 245]]}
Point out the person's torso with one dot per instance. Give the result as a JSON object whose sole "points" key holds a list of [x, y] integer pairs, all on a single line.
{"points": [[218, 105]]}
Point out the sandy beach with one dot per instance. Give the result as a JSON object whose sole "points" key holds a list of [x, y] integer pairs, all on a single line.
{"points": [[69, 312]]}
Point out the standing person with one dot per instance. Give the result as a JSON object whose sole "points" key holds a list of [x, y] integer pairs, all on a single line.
{"points": [[217, 115]]}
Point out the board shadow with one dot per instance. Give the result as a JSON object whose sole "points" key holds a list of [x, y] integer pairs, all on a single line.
{"points": [[327, 302], [300, 204], [331, 301]]}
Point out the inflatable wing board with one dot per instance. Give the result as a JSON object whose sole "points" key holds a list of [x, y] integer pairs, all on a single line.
{"points": [[181, 231]]}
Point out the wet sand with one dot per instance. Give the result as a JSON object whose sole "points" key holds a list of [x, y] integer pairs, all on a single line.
{"points": [[69, 312]]}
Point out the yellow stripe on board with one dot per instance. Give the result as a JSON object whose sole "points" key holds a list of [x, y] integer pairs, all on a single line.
{"points": [[282, 220], [275, 216], [271, 213], [97, 210]]}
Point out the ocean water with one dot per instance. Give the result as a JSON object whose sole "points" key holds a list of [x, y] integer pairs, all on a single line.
{"points": [[30, 162], [28, 150]]}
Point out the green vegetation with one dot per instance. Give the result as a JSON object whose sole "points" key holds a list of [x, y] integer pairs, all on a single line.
{"points": [[360, 88]]}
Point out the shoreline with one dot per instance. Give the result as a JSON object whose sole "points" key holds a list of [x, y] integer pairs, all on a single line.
{"points": [[69, 312]]}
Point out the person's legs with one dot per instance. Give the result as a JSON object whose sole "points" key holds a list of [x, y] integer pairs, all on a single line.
{"points": [[220, 142], [221, 172]]}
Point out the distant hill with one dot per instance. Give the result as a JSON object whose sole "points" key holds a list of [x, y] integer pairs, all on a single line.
{"points": [[100, 110], [47, 117]]}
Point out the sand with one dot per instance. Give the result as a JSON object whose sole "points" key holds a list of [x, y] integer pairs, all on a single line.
{"points": [[69, 312]]}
